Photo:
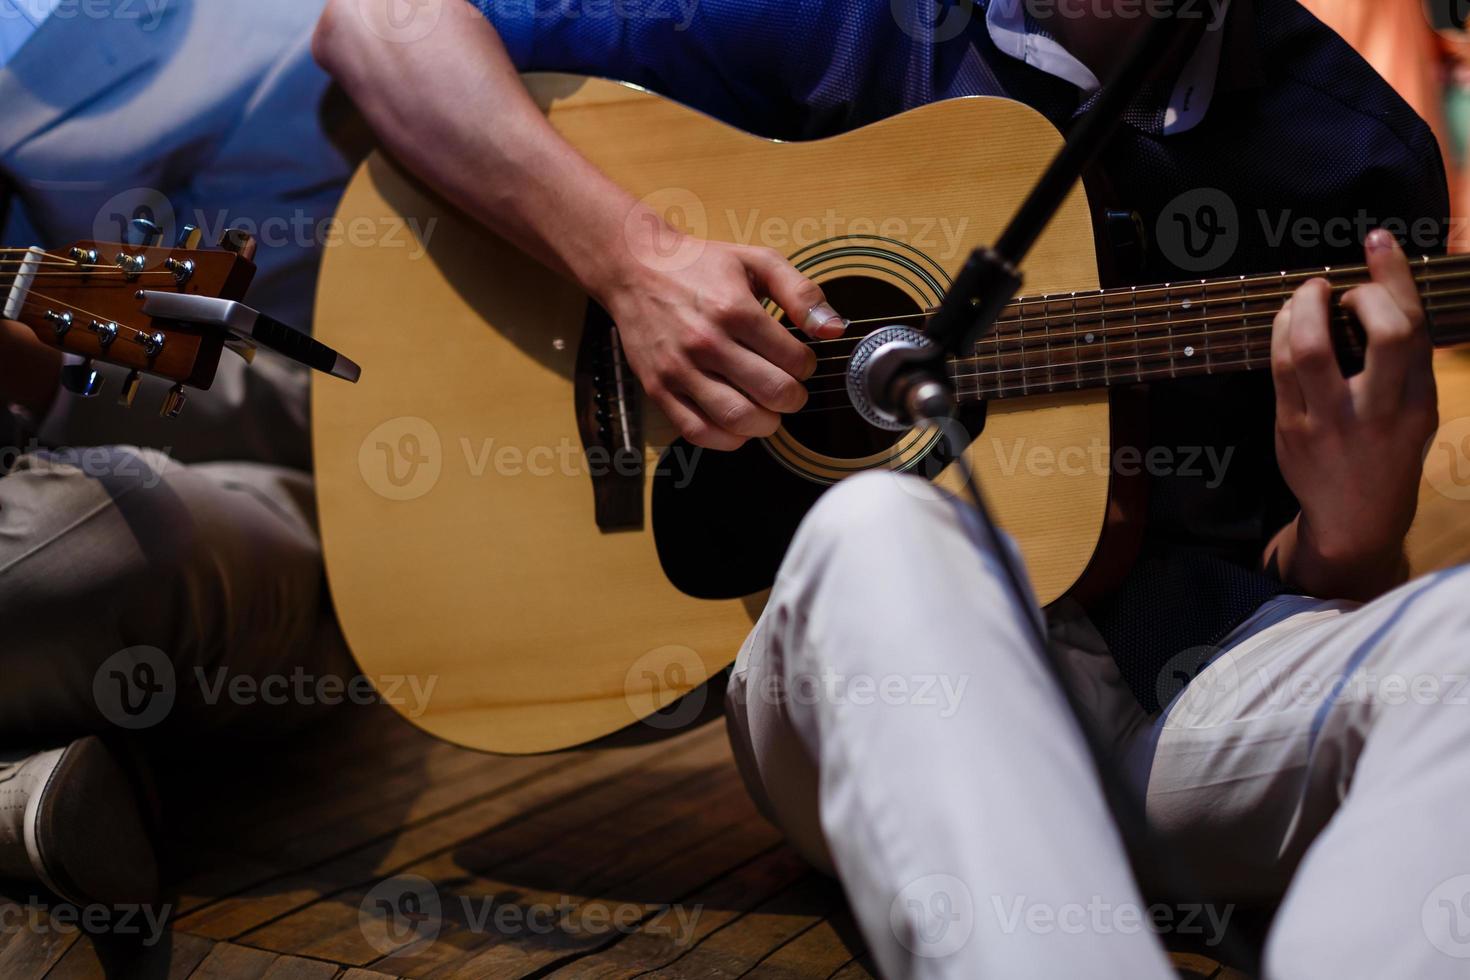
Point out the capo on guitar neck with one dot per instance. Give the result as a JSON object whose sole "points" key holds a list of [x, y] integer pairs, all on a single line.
{"points": [[245, 326]]}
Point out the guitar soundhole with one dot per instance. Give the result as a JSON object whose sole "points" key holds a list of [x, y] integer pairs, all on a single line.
{"points": [[828, 424]]}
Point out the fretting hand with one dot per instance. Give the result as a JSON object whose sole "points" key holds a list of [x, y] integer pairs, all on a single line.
{"points": [[1351, 449]]}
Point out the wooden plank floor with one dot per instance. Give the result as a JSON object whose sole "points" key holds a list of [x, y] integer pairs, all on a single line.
{"points": [[299, 860], [294, 860]]}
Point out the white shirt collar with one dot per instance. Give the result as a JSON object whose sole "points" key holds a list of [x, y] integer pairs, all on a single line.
{"points": [[1192, 94]]}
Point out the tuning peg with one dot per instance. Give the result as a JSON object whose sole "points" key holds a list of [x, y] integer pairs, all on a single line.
{"points": [[189, 237], [130, 387], [239, 241], [173, 402], [82, 380], [60, 322], [183, 271], [143, 233]]}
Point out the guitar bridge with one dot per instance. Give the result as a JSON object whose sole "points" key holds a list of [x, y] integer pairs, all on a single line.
{"points": [[610, 422]]}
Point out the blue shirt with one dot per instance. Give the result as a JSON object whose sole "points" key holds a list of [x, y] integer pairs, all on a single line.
{"points": [[1300, 132], [19, 20], [756, 65]]}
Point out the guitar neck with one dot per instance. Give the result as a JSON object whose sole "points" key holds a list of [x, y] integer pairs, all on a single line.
{"points": [[1069, 341]]}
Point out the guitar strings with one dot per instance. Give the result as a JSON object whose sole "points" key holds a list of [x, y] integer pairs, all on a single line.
{"points": [[1022, 345], [1011, 391], [1251, 349], [1047, 343], [1100, 316], [1193, 365]]}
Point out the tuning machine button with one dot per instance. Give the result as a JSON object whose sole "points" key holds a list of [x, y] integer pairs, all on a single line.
{"points": [[151, 343], [82, 380], [189, 237], [183, 271], [60, 322], [239, 241], [132, 265], [106, 332], [130, 387], [143, 233], [173, 402]]}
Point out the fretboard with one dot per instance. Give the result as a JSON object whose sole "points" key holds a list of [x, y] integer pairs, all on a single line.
{"points": [[1068, 341]]}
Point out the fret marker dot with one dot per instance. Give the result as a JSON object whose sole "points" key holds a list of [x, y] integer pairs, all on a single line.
{"points": [[1186, 304], [1189, 352], [1088, 338]]}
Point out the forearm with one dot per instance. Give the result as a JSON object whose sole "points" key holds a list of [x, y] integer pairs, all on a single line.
{"points": [[1306, 566], [458, 116]]}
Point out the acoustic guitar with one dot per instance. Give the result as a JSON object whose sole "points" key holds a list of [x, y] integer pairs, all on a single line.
{"points": [[504, 515]]}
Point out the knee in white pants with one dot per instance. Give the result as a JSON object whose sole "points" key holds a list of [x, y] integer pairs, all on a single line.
{"points": [[877, 510]]}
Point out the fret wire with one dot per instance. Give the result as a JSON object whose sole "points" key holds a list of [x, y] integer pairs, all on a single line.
{"points": [[1137, 348], [1077, 355], [1205, 310], [1022, 341], [1428, 317], [1244, 312], [997, 347], [1046, 339], [1169, 320]]}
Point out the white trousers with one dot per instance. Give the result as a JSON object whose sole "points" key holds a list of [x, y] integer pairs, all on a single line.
{"points": [[891, 714]]}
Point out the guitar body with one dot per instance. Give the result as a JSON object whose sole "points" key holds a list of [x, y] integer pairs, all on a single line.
{"points": [[459, 515]]}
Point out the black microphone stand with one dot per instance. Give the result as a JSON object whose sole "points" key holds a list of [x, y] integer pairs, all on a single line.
{"points": [[917, 390], [991, 277]]}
